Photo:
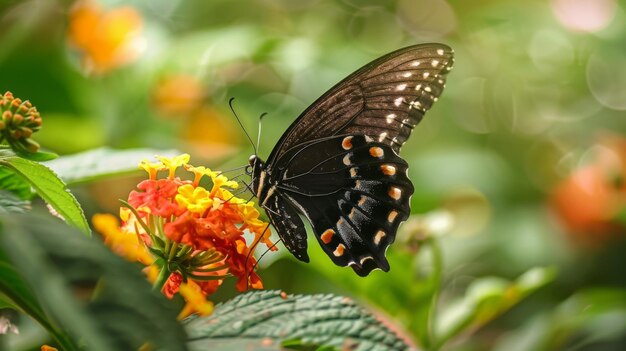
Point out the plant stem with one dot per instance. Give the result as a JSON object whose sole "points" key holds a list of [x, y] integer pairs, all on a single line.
{"points": [[164, 274], [435, 283]]}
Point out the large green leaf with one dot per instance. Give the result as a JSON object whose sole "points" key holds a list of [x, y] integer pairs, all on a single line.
{"points": [[487, 298], [17, 294], [13, 183], [50, 188], [10, 203], [268, 318], [100, 163], [591, 319], [102, 301]]}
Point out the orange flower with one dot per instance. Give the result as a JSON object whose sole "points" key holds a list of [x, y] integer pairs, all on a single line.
{"points": [[178, 95], [193, 235], [589, 201], [106, 39]]}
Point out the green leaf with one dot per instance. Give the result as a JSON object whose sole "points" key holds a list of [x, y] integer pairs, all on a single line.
{"points": [[17, 294], [51, 189], [266, 318], [9, 203], [487, 298], [38, 156], [100, 163], [14, 184], [102, 301], [587, 319]]}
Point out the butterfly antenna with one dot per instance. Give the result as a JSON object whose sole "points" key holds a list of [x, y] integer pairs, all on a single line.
{"points": [[258, 137], [230, 103], [232, 169]]}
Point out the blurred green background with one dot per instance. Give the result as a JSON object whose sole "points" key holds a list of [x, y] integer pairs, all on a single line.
{"points": [[520, 164]]}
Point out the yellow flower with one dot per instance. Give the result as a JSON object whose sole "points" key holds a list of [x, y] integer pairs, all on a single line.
{"points": [[196, 200], [151, 168], [195, 299], [172, 163], [199, 172], [123, 243], [220, 181]]}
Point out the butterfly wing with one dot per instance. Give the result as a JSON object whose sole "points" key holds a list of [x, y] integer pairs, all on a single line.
{"points": [[338, 163], [384, 99], [354, 191], [289, 226]]}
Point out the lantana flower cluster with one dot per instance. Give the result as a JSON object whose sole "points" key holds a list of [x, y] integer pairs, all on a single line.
{"points": [[190, 237]]}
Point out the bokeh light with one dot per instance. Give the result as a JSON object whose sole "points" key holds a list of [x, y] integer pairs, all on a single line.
{"points": [[606, 76], [584, 15]]}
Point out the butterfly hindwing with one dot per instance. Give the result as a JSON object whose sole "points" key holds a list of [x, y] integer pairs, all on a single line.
{"points": [[354, 191], [289, 227]]}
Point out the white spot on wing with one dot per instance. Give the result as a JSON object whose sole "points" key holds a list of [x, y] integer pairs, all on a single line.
{"points": [[440, 51], [401, 87], [379, 236], [434, 63], [398, 101], [390, 118], [346, 159], [362, 261], [395, 193], [382, 136]]}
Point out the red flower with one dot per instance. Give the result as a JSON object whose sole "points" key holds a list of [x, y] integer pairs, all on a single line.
{"points": [[158, 196]]}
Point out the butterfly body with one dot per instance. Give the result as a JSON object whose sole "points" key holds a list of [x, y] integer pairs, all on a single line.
{"points": [[338, 163]]}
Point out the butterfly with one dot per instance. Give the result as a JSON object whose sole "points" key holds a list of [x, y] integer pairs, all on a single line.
{"points": [[338, 164]]}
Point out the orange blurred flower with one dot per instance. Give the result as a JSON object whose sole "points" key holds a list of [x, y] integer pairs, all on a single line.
{"points": [[191, 238], [178, 95], [589, 201], [106, 39], [210, 134]]}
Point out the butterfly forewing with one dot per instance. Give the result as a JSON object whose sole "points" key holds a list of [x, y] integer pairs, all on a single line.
{"points": [[384, 99]]}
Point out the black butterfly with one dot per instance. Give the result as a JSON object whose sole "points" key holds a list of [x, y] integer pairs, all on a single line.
{"points": [[338, 163]]}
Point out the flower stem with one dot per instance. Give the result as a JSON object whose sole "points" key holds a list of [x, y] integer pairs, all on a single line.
{"points": [[435, 278], [164, 274]]}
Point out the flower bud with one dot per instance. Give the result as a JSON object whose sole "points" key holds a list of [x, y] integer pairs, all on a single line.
{"points": [[20, 119]]}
